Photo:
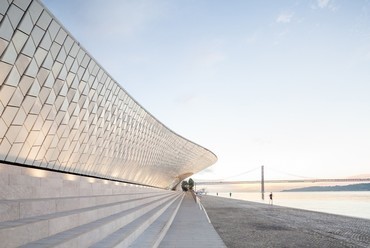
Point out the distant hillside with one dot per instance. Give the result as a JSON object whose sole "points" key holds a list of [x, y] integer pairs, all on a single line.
{"points": [[351, 187]]}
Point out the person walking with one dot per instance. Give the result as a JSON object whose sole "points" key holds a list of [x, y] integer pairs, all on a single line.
{"points": [[271, 201]]}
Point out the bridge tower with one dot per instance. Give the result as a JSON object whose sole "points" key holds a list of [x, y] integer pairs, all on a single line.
{"points": [[262, 183]]}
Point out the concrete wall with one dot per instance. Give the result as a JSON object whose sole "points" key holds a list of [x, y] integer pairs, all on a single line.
{"points": [[29, 183]]}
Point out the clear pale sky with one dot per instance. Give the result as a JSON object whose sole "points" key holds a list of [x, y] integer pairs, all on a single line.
{"points": [[285, 84]]}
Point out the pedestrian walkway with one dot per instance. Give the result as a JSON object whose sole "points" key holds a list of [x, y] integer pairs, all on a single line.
{"points": [[191, 228]]}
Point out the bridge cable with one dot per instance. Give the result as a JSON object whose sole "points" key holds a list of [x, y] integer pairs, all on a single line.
{"points": [[289, 174], [243, 173], [223, 179]]}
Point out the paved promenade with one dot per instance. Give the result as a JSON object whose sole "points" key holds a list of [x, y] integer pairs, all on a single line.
{"points": [[249, 224], [191, 228]]}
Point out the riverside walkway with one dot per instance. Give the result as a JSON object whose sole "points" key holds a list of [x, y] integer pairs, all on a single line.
{"points": [[250, 224], [191, 228]]}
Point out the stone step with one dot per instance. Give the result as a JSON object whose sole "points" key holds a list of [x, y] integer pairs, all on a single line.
{"points": [[92, 232], [24, 208], [126, 235], [26, 230], [154, 234]]}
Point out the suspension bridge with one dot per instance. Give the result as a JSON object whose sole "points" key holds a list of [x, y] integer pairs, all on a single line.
{"points": [[287, 181], [262, 181]]}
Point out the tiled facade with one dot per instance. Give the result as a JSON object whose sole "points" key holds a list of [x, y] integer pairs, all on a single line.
{"points": [[59, 109]]}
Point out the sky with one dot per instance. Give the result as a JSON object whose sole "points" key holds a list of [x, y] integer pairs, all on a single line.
{"points": [[284, 84]]}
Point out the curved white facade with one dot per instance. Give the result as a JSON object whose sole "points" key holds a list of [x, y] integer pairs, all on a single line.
{"points": [[60, 110]]}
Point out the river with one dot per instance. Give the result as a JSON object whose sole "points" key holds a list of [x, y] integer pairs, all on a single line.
{"points": [[353, 203]]}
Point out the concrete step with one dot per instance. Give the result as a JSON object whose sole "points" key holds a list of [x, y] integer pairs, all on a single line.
{"points": [[24, 208], [154, 234], [93, 232], [23, 231], [126, 235]]}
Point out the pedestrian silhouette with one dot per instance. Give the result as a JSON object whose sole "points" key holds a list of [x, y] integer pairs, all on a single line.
{"points": [[271, 201], [230, 194]]}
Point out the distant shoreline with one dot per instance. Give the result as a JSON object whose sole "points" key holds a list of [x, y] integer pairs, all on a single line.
{"points": [[351, 187]]}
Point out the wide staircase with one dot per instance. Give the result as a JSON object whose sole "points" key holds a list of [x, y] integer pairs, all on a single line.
{"points": [[60, 210]]}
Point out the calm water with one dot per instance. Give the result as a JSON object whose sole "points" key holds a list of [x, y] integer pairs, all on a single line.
{"points": [[355, 204]]}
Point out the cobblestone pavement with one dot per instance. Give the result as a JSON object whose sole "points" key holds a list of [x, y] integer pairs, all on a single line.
{"points": [[250, 224]]}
